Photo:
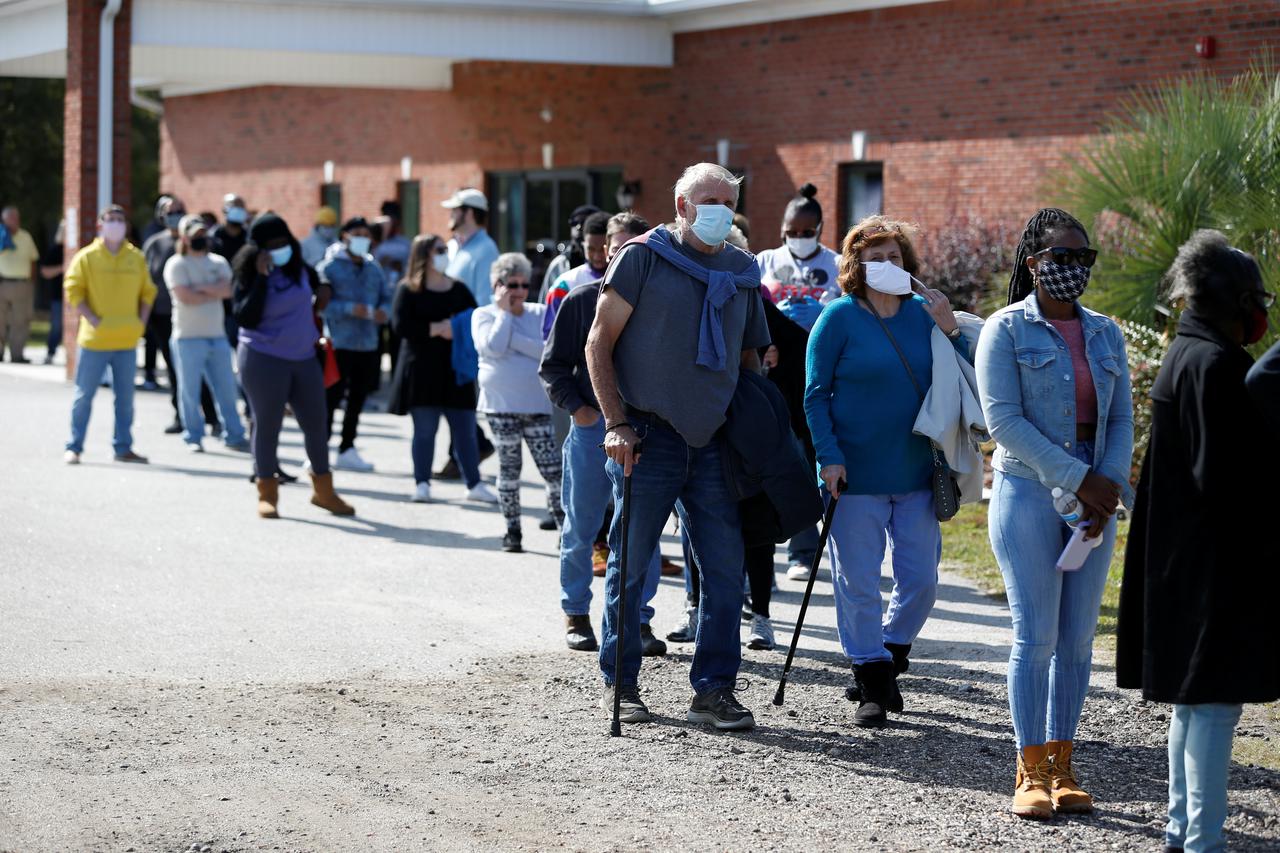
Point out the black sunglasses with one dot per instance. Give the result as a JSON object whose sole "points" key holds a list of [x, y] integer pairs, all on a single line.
{"points": [[516, 285], [1064, 257]]}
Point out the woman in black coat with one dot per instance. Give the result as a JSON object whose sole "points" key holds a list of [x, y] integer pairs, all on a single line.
{"points": [[426, 383], [1197, 625]]}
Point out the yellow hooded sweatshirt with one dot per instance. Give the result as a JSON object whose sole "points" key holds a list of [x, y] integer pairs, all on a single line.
{"points": [[116, 287]]}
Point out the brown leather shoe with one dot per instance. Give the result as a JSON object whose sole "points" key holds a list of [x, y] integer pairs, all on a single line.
{"points": [[599, 559], [131, 457], [1068, 796], [268, 497], [1031, 798], [323, 495], [670, 569]]}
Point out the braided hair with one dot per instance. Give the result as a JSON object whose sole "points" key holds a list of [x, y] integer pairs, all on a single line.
{"points": [[1047, 221]]}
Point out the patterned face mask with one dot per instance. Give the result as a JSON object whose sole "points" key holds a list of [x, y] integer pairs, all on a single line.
{"points": [[1064, 282]]}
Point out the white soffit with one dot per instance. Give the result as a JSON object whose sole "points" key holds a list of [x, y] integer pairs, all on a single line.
{"points": [[692, 15], [418, 29], [29, 30]]}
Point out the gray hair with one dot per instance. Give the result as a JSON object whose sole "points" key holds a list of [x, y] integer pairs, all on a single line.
{"points": [[508, 265], [704, 173], [1210, 273]]}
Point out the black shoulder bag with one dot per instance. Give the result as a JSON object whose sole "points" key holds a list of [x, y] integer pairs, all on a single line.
{"points": [[946, 491]]}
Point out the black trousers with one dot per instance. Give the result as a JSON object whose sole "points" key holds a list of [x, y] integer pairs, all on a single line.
{"points": [[159, 330], [359, 377]]}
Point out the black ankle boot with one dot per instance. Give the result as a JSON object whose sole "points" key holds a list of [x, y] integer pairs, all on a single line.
{"points": [[901, 663], [875, 682]]}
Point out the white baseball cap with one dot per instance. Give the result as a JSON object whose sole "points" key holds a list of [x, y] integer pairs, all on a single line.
{"points": [[467, 197]]}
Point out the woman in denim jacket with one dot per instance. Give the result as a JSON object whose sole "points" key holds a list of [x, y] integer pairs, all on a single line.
{"points": [[1054, 384]]}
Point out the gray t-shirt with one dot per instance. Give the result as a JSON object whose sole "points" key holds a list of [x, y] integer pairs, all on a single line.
{"points": [[656, 355]]}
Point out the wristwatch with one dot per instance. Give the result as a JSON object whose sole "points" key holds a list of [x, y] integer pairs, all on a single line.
{"points": [[953, 334]]}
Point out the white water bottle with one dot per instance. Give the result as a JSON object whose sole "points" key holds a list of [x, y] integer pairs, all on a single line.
{"points": [[1067, 505]]}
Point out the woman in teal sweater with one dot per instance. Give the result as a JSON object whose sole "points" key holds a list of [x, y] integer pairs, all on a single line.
{"points": [[861, 405]]}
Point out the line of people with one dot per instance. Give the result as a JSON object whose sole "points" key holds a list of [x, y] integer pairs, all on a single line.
{"points": [[655, 346]]}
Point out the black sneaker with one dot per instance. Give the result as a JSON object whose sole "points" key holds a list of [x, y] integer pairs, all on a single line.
{"points": [[721, 709], [448, 472], [579, 635], [631, 708], [173, 428], [548, 523], [512, 542], [651, 646]]}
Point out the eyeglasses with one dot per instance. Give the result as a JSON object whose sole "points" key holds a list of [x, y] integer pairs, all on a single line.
{"points": [[1265, 298], [516, 285], [1064, 257]]}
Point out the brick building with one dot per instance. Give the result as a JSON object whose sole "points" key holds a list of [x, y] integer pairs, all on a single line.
{"points": [[925, 110]]}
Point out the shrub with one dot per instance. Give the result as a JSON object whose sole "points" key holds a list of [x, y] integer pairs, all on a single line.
{"points": [[1146, 350], [965, 259]]}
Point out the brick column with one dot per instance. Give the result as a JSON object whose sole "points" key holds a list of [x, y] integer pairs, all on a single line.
{"points": [[80, 131]]}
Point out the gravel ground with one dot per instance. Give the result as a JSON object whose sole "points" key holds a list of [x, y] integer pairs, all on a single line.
{"points": [[175, 673]]}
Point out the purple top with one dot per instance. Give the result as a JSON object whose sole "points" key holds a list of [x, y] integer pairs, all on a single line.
{"points": [[288, 327]]}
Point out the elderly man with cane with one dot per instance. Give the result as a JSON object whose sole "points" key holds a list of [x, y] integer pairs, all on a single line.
{"points": [[679, 316]]}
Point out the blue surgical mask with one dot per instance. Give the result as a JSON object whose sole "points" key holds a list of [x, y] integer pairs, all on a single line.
{"points": [[238, 215], [327, 232], [359, 246], [282, 256], [713, 223]]}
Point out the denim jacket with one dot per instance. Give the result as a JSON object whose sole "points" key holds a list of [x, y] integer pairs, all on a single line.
{"points": [[353, 285], [1025, 383]]}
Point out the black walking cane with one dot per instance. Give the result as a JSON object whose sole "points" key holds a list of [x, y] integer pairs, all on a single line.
{"points": [[615, 730], [808, 590]]}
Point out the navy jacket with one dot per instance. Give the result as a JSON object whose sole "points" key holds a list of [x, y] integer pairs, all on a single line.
{"points": [[766, 459]]}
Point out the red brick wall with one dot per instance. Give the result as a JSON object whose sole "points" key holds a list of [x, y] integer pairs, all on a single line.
{"points": [[970, 104]]}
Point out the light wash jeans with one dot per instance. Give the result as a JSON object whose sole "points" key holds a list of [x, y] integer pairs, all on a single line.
{"points": [[587, 494], [91, 366], [860, 529], [1054, 613], [671, 473], [1199, 758], [207, 359]]}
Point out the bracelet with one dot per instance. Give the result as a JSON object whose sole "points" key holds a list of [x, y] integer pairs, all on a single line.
{"points": [[611, 427]]}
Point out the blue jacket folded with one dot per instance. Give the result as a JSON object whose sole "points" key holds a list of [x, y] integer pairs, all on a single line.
{"points": [[466, 362]]}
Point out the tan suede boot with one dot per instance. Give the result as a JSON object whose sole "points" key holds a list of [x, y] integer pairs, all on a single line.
{"points": [[1067, 794], [1031, 797], [268, 497], [323, 495]]}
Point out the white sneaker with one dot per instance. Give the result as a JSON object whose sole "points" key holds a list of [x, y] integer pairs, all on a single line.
{"points": [[71, 457], [481, 493], [798, 572], [349, 460], [195, 447], [761, 636], [422, 493]]}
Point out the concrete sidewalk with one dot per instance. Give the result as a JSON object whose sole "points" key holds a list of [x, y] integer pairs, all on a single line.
{"points": [[175, 670]]}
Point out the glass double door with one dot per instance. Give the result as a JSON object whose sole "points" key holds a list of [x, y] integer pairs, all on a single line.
{"points": [[531, 209]]}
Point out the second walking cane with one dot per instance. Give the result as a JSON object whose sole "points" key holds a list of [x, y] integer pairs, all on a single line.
{"points": [[808, 590]]}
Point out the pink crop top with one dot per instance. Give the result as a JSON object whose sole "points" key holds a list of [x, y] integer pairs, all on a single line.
{"points": [[1086, 396]]}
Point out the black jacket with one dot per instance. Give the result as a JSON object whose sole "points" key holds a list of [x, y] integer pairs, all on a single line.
{"points": [[1197, 606], [564, 358], [765, 457]]}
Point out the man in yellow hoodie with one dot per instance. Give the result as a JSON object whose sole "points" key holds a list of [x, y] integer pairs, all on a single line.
{"points": [[108, 285]]}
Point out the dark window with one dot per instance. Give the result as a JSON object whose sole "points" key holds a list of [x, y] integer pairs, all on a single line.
{"points": [[331, 195], [860, 194], [529, 211], [409, 194]]}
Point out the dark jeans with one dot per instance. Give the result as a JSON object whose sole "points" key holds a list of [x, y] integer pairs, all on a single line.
{"points": [[759, 567], [272, 382], [159, 330], [462, 425], [359, 378], [55, 327]]}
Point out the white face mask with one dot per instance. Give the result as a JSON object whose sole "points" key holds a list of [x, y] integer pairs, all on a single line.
{"points": [[440, 262], [802, 247], [113, 231], [888, 278]]}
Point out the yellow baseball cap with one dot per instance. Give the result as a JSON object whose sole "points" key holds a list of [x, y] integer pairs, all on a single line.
{"points": [[326, 216]]}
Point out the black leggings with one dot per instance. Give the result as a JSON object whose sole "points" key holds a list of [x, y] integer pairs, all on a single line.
{"points": [[270, 382], [359, 378]]}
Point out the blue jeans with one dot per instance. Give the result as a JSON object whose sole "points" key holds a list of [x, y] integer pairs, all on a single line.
{"points": [[1054, 613], [586, 493], [462, 427], [860, 528], [1199, 758], [206, 361], [803, 546], [55, 327], [671, 473], [90, 368]]}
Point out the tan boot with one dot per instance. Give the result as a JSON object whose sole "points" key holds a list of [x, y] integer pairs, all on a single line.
{"points": [[1031, 797], [268, 497], [1067, 794], [323, 495]]}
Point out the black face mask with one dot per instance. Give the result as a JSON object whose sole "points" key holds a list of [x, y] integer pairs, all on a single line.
{"points": [[200, 243]]}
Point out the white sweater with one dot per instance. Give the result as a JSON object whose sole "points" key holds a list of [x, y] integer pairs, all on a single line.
{"points": [[510, 349]]}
